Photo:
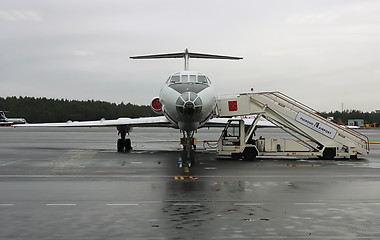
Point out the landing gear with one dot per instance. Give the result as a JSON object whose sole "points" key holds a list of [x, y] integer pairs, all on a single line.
{"points": [[189, 145], [189, 141], [123, 144]]}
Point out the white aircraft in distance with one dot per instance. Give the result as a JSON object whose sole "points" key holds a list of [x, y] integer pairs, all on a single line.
{"points": [[4, 121], [187, 102]]}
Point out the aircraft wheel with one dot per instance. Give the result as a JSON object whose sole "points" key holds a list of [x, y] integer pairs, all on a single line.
{"points": [[128, 145], [120, 145], [124, 145]]}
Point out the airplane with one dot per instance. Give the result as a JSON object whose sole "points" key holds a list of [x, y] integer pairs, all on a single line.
{"points": [[187, 102], [351, 127], [4, 121]]}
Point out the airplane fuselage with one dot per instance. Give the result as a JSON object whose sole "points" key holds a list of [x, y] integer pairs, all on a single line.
{"points": [[4, 121], [188, 100]]}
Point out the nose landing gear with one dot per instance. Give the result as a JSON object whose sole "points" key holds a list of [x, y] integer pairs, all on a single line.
{"points": [[189, 145]]}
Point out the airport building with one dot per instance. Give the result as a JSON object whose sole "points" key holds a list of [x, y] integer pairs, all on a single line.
{"points": [[356, 122]]}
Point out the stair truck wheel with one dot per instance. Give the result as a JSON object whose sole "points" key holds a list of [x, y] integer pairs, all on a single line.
{"points": [[249, 153], [329, 153]]}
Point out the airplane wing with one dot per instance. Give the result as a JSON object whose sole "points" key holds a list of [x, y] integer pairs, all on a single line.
{"points": [[160, 121]]}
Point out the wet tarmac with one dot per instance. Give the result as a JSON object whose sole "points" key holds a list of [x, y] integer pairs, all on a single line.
{"points": [[72, 184]]}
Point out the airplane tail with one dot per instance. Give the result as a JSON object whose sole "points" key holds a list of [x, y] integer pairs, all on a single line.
{"points": [[186, 55], [2, 115]]}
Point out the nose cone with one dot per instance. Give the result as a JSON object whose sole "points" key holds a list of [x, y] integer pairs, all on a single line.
{"points": [[189, 109], [189, 105]]}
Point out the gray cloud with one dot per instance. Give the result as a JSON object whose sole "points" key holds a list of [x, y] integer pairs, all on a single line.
{"points": [[17, 15], [321, 53]]}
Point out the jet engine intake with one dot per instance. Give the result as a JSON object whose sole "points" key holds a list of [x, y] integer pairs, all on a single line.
{"points": [[156, 106]]}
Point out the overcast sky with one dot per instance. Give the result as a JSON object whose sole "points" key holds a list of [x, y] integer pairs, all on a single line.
{"points": [[322, 53]]}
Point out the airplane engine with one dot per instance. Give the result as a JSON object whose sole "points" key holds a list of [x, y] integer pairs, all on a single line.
{"points": [[156, 106]]}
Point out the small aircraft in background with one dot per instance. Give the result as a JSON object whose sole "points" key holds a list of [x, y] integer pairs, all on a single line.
{"points": [[4, 121]]}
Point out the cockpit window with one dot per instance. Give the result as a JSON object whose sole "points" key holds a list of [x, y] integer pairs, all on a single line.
{"points": [[202, 79], [192, 78], [185, 78], [175, 79], [188, 79]]}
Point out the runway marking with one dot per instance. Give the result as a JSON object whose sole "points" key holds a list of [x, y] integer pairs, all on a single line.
{"points": [[122, 204], [184, 177], [309, 203], [6, 204], [186, 204], [9, 163], [248, 204], [369, 203], [203, 176], [61, 204]]}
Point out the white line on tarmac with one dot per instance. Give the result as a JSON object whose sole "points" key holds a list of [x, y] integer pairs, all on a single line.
{"points": [[122, 204], [248, 204], [6, 204], [186, 204], [309, 203], [61, 204], [9, 163]]}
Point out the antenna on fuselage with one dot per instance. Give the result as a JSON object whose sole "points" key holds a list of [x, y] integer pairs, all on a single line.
{"points": [[186, 56]]}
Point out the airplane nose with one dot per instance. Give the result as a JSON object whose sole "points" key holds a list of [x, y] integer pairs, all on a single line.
{"points": [[189, 104]]}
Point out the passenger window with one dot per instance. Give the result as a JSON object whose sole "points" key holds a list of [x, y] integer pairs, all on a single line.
{"points": [[202, 79], [175, 79]]}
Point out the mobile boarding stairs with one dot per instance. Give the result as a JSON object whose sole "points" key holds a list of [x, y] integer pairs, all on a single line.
{"points": [[314, 135]]}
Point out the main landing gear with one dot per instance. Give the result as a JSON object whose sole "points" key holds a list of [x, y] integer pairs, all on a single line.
{"points": [[123, 144]]}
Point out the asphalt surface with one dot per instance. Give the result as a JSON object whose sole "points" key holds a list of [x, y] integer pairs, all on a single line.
{"points": [[72, 184]]}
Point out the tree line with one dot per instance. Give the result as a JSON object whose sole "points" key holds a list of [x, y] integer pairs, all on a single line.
{"points": [[342, 117], [37, 110]]}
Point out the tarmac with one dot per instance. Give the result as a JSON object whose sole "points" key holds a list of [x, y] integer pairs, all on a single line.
{"points": [[58, 183]]}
